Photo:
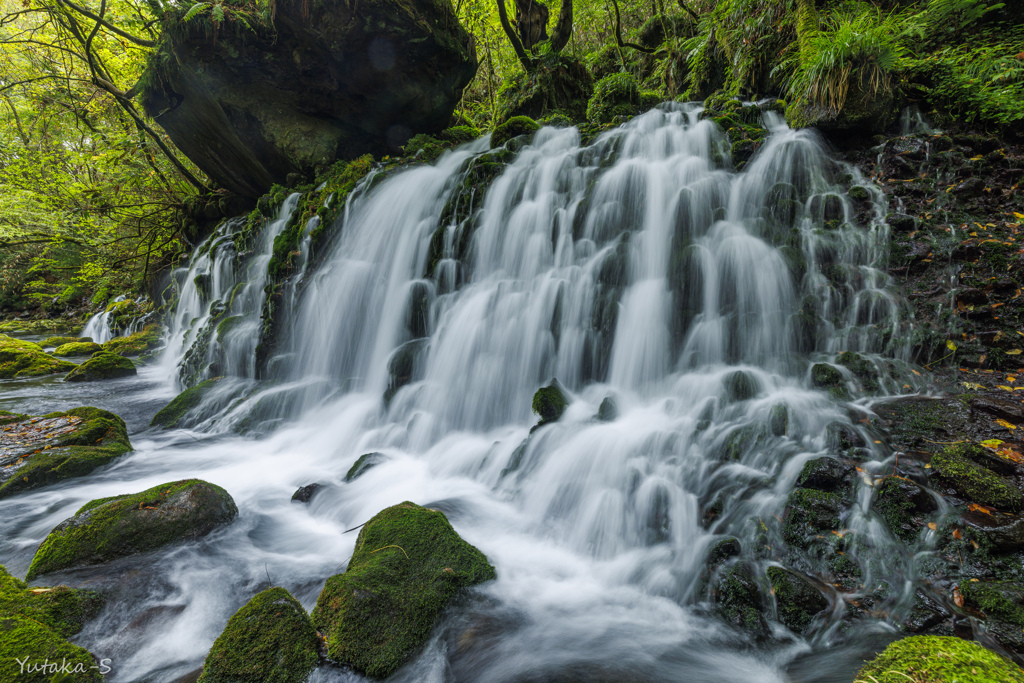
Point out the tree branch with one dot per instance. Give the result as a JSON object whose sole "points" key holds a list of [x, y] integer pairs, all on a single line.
{"points": [[517, 45], [563, 29], [124, 34], [686, 8], [618, 33]]}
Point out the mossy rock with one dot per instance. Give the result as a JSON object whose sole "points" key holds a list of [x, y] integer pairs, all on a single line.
{"points": [[225, 326], [62, 446], [738, 599], [108, 528], [863, 370], [938, 659], [102, 365], [61, 609], [811, 513], [270, 640], [172, 414], [824, 376], [136, 344], [741, 386], [797, 599], [77, 349], [407, 564], [54, 342], [614, 95], [899, 501], [955, 468], [513, 128], [22, 637], [365, 462], [550, 402], [26, 359], [1002, 603]]}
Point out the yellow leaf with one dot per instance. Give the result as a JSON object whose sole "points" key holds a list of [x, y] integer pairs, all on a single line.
{"points": [[1004, 423], [951, 345], [1018, 215], [932, 526], [1013, 352], [915, 372], [1004, 388], [991, 443]]}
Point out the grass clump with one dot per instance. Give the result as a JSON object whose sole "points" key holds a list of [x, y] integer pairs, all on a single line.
{"points": [[938, 659]]}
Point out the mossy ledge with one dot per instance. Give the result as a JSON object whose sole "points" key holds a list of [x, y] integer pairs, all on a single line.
{"points": [[102, 365], [938, 659], [172, 413], [407, 564], [98, 438], [136, 344], [20, 358], [77, 348], [270, 639], [108, 528]]}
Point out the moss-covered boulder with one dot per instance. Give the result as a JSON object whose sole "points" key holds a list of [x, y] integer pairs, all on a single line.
{"points": [[550, 402], [43, 450], [108, 528], [825, 376], [513, 128], [1002, 603], [77, 349], [23, 637], [102, 365], [558, 84], [615, 95], [174, 412], [811, 513], [270, 640], [54, 342], [407, 564], [365, 462], [136, 344], [738, 599], [20, 358], [938, 659], [956, 468], [796, 598], [60, 608]]}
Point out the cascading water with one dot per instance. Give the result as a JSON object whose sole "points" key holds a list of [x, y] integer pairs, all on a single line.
{"points": [[101, 327], [643, 273]]}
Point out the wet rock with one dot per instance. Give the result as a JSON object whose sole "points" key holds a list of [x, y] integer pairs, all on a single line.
{"points": [[825, 474], [305, 493], [550, 402], [59, 608], [364, 463], [972, 187], [77, 349], [926, 614], [798, 600], [944, 659], [408, 563], [898, 501], [738, 599], [971, 296], [859, 193], [23, 637], [723, 550], [956, 469], [402, 367], [136, 344], [841, 437], [270, 639], [1005, 533], [513, 128], [901, 222], [417, 317], [658, 522], [101, 366], [1002, 604], [174, 413], [108, 528], [898, 168], [999, 408], [26, 359], [811, 513], [43, 450], [778, 419], [608, 410], [824, 376], [741, 386], [865, 372]]}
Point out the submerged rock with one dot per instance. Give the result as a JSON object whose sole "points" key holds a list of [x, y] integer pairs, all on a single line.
{"points": [[26, 359], [608, 411], [43, 450], [811, 513], [270, 639], [825, 474], [100, 366], [797, 599], [939, 659], [407, 564], [171, 415], [365, 462], [824, 376], [108, 528]]}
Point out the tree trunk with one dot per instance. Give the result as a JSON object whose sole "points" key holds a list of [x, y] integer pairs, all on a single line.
{"points": [[563, 29], [531, 22]]}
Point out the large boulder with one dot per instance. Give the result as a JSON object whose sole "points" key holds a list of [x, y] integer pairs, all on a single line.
{"points": [[312, 83], [108, 528], [102, 365], [407, 564], [270, 639], [19, 358], [36, 451]]}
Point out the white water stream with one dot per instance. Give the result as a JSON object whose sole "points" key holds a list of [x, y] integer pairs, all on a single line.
{"points": [[640, 267]]}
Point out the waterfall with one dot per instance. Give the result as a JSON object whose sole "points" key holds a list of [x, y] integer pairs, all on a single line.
{"points": [[646, 274], [101, 327]]}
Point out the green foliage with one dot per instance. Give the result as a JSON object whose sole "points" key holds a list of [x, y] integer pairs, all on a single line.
{"points": [[938, 659], [614, 95], [269, 640], [407, 564]]}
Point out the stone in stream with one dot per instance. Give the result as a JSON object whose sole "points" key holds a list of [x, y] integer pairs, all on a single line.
{"points": [[108, 528], [365, 462], [305, 493], [77, 348], [36, 623], [939, 659], [36, 451], [549, 402], [173, 414], [798, 601], [271, 638], [100, 366], [407, 564], [20, 358]]}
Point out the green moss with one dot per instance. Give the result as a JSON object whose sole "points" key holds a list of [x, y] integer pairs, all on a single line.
{"points": [[26, 359], [862, 369], [364, 463], [738, 600], [810, 513], [895, 508], [22, 637], [424, 147], [108, 528], [974, 482], [136, 344], [172, 413], [62, 609], [741, 386], [53, 342], [270, 640], [993, 599], [550, 402], [97, 440], [35, 326], [460, 134], [797, 600], [102, 365], [513, 128], [407, 564], [938, 659], [77, 349], [225, 326], [824, 376], [615, 95], [7, 417]]}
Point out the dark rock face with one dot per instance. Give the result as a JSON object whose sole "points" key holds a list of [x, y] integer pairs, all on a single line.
{"points": [[331, 81]]}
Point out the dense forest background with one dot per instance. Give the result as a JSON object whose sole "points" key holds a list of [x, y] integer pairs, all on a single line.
{"points": [[95, 199]]}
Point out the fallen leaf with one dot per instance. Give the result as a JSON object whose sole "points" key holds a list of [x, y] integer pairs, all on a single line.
{"points": [[957, 535], [958, 597], [1004, 388], [992, 443], [932, 526], [1013, 352], [1004, 423], [974, 507]]}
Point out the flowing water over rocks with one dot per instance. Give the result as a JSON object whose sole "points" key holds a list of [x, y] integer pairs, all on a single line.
{"points": [[704, 508]]}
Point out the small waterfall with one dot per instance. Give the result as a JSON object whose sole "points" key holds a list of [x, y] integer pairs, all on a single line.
{"points": [[103, 327]]}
